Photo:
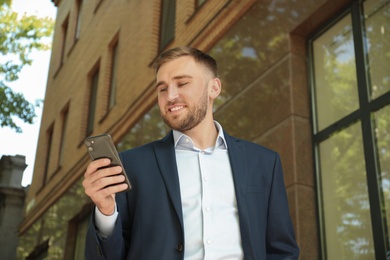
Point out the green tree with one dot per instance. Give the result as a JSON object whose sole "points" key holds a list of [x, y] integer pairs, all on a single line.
{"points": [[19, 36]]}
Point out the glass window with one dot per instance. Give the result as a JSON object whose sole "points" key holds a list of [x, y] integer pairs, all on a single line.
{"points": [[113, 76], [63, 134], [148, 129], [335, 74], [167, 26], [64, 31], [49, 138], [346, 209], [92, 101], [351, 100], [382, 134], [79, 5], [377, 28], [81, 235]]}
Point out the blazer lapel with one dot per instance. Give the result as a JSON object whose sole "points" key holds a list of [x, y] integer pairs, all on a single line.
{"points": [[237, 156], [166, 159], [238, 162]]}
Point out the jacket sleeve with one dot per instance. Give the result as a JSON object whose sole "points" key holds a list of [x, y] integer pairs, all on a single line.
{"points": [[110, 248], [280, 238]]}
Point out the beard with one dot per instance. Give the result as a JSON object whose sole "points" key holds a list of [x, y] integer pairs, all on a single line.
{"points": [[193, 118]]}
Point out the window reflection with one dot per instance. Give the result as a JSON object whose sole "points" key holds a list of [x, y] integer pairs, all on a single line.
{"points": [[53, 224], [335, 74], [346, 210], [148, 129], [382, 134], [377, 28]]}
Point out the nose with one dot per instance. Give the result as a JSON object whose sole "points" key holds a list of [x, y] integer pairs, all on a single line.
{"points": [[173, 92]]}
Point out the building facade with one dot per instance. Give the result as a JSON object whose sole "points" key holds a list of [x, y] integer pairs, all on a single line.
{"points": [[308, 79]]}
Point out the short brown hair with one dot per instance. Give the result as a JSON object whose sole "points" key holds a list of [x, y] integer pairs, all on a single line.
{"points": [[199, 56]]}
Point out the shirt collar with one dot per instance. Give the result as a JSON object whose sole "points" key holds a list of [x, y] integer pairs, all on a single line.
{"points": [[184, 142]]}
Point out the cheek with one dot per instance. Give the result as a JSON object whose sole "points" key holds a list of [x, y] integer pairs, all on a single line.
{"points": [[160, 102]]}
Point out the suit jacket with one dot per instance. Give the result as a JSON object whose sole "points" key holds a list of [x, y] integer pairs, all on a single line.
{"points": [[150, 221]]}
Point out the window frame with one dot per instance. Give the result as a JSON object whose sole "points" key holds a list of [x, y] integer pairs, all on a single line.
{"points": [[362, 114]]}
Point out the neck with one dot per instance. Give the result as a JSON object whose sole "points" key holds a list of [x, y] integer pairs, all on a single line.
{"points": [[204, 134]]}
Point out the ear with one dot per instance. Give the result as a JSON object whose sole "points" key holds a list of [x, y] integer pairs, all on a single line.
{"points": [[215, 88]]}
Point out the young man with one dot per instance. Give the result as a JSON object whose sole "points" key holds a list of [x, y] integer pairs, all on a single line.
{"points": [[198, 193]]}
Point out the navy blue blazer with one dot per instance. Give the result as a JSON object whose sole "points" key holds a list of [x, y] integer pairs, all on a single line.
{"points": [[150, 222]]}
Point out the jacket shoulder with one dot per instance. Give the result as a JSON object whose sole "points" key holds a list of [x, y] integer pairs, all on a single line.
{"points": [[149, 147], [250, 146]]}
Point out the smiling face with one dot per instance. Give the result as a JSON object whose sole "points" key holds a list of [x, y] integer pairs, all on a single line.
{"points": [[183, 87]]}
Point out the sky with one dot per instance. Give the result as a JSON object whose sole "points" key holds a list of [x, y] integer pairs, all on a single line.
{"points": [[32, 83]]}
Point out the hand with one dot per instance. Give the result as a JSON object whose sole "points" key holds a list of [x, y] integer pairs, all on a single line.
{"points": [[99, 184]]}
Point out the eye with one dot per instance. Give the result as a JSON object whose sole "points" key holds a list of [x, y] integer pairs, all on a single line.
{"points": [[162, 88], [180, 84]]}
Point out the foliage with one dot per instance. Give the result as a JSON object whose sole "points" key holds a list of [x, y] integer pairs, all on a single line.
{"points": [[19, 36]]}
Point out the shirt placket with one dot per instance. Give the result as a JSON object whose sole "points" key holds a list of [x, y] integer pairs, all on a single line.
{"points": [[206, 202]]}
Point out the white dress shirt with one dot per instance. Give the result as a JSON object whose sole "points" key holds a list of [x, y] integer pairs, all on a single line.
{"points": [[210, 215]]}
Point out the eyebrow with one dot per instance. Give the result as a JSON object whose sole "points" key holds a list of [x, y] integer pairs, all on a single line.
{"points": [[175, 78]]}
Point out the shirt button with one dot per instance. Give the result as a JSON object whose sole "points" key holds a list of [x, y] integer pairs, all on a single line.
{"points": [[205, 178], [208, 209], [179, 248], [187, 140], [209, 241], [202, 152]]}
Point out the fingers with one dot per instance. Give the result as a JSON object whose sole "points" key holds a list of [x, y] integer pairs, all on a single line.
{"points": [[95, 165], [102, 184], [96, 179]]}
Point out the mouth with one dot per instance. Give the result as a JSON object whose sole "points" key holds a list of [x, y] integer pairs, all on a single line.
{"points": [[176, 108]]}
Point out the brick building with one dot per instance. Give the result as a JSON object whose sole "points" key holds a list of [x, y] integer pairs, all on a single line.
{"points": [[308, 79]]}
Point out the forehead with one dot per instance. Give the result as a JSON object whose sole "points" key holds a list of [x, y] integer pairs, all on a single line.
{"points": [[180, 66]]}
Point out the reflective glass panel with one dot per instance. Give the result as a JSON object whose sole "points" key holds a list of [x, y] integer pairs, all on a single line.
{"points": [[82, 228], [335, 74], [147, 129], [377, 22], [346, 208], [382, 131]]}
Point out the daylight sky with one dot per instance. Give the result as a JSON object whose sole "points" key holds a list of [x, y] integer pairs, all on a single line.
{"points": [[32, 83]]}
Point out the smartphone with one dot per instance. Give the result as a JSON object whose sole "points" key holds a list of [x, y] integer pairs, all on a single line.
{"points": [[102, 146]]}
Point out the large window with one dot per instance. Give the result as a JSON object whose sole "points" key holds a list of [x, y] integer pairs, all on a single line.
{"points": [[76, 235], [64, 117], [113, 75], [79, 5], [149, 128], [167, 24], [64, 33], [94, 80], [350, 61], [49, 139]]}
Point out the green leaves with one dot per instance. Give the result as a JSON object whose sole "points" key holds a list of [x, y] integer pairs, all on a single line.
{"points": [[19, 36]]}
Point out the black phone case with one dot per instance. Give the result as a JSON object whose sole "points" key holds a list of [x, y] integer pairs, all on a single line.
{"points": [[102, 146]]}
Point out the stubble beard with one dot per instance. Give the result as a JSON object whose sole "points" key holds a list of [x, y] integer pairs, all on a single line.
{"points": [[193, 118]]}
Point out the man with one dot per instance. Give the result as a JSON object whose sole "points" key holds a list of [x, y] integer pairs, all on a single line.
{"points": [[196, 194]]}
